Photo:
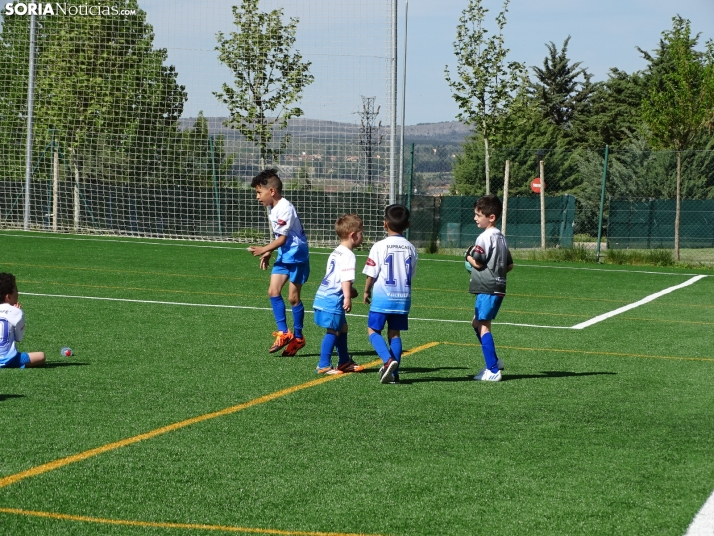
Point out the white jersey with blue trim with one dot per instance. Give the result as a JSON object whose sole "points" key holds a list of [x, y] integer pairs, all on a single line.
{"points": [[341, 267], [392, 264], [286, 222], [12, 328]]}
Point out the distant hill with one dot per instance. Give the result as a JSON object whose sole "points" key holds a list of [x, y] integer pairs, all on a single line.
{"points": [[445, 132]]}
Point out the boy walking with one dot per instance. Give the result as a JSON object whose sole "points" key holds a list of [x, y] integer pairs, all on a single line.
{"points": [[12, 328], [490, 260], [390, 267], [334, 297], [292, 263]]}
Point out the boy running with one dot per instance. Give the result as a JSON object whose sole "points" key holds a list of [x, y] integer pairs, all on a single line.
{"points": [[292, 264]]}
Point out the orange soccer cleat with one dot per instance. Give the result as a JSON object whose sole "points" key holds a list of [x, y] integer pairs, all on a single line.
{"points": [[293, 347], [281, 339]]}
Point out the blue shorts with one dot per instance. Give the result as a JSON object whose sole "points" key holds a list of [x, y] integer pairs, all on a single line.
{"points": [[398, 321], [19, 360], [298, 272], [328, 320], [487, 306]]}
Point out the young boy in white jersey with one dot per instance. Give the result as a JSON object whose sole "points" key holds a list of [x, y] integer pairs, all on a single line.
{"points": [[12, 328], [490, 260], [292, 263], [334, 297], [389, 269]]}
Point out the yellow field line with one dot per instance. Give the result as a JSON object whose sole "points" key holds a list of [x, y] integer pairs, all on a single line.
{"points": [[152, 524], [61, 462], [618, 354]]}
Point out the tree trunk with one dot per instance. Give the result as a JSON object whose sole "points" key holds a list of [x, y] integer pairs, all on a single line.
{"points": [[506, 180], [488, 169], [542, 204], [678, 206]]}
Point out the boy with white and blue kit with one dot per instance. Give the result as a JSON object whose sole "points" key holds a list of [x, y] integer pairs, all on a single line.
{"points": [[490, 261], [292, 263], [390, 267], [334, 297]]}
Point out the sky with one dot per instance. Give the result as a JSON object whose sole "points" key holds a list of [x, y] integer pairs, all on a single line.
{"points": [[604, 34]]}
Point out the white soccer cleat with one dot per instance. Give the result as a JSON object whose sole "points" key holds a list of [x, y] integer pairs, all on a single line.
{"points": [[486, 375]]}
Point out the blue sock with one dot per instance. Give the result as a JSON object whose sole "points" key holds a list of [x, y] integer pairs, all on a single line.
{"points": [[380, 346], [298, 319], [342, 355], [328, 343], [489, 352], [395, 345], [279, 312]]}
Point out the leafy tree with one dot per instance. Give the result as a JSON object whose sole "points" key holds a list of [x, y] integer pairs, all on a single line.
{"points": [[113, 103], [558, 92], [486, 85], [269, 76], [14, 59], [680, 102], [612, 113], [196, 159]]}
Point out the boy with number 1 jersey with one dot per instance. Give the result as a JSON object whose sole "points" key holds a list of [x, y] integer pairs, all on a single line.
{"points": [[390, 267]]}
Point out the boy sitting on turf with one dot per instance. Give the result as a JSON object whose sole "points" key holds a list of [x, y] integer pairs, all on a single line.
{"points": [[490, 260], [12, 328], [390, 267], [292, 263], [334, 297]]}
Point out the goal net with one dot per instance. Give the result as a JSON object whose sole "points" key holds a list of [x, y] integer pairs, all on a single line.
{"points": [[151, 118]]}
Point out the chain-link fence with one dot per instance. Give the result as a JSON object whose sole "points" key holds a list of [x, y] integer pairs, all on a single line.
{"points": [[634, 197]]}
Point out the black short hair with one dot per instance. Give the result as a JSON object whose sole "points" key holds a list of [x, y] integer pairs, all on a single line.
{"points": [[269, 178], [489, 204], [397, 217], [7, 284]]}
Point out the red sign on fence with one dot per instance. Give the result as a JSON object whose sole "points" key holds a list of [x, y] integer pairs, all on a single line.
{"points": [[535, 185]]}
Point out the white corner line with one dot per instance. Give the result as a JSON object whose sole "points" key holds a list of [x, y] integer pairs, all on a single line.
{"points": [[643, 301], [703, 522]]}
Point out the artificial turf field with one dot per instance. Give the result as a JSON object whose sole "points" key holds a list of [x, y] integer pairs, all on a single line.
{"points": [[172, 418]]}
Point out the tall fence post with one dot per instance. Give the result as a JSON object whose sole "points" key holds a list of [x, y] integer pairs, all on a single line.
{"points": [[76, 197], [506, 179], [542, 204], [602, 205], [410, 183], [55, 184], [215, 186], [30, 111]]}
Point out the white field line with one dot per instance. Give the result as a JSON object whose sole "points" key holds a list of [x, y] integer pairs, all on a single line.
{"points": [[703, 522], [643, 301], [219, 306]]}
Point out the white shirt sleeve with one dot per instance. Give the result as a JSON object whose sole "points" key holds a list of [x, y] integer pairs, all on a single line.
{"points": [[282, 218], [371, 267], [18, 320], [348, 268]]}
